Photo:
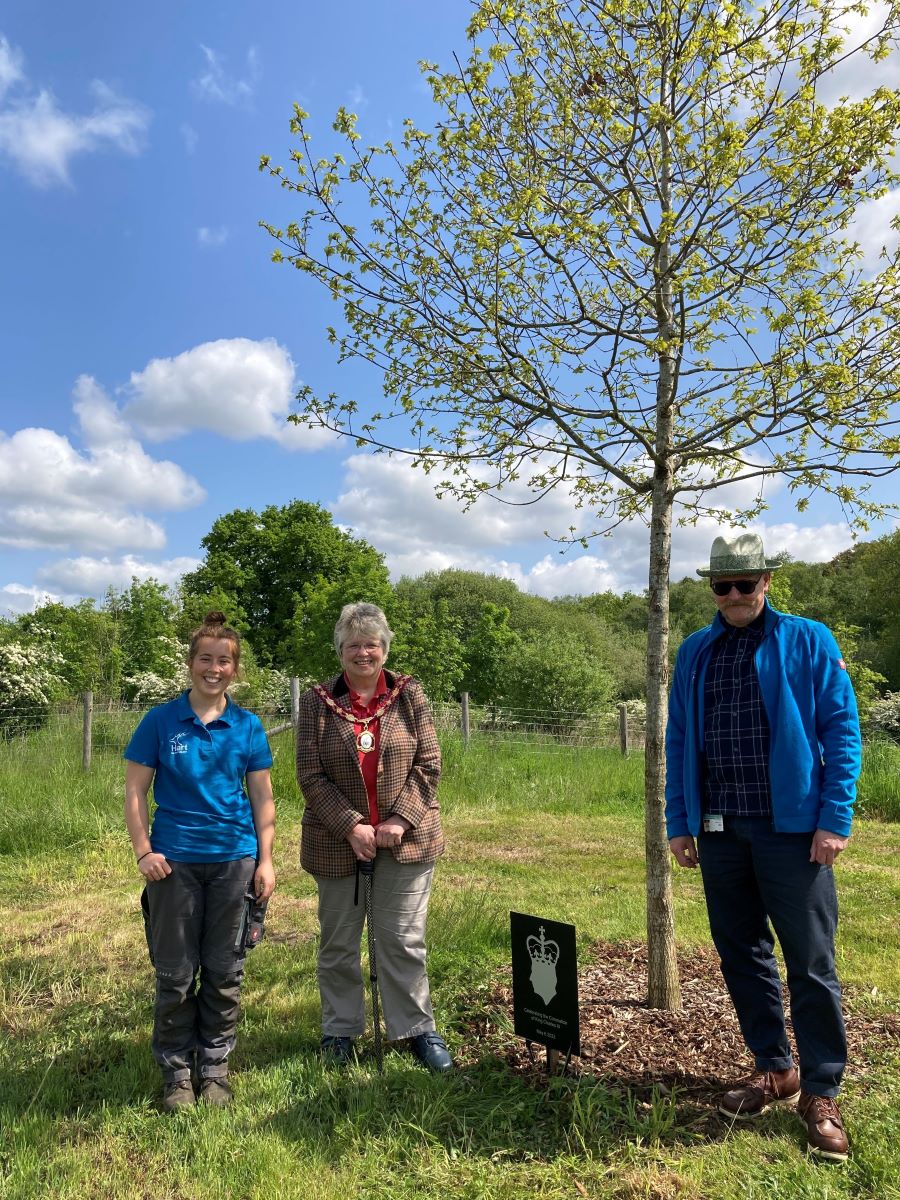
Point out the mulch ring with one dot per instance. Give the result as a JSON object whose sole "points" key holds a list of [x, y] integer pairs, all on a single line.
{"points": [[696, 1052]]}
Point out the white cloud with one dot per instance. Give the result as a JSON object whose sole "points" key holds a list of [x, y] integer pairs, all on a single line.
{"points": [[18, 598], [236, 387], [41, 140], [191, 137], [11, 61], [215, 84], [395, 508], [357, 98], [858, 75], [87, 576], [43, 525], [818, 543], [871, 227], [54, 495], [212, 237], [382, 489], [813, 543]]}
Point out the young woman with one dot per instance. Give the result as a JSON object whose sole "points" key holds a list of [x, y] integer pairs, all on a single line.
{"points": [[209, 852]]}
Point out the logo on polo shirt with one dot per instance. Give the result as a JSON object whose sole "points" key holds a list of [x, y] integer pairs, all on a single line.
{"points": [[177, 745]]}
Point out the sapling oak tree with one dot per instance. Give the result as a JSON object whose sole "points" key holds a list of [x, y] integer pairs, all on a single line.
{"points": [[622, 264]]}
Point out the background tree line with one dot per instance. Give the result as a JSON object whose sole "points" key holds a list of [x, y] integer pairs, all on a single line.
{"points": [[282, 575]]}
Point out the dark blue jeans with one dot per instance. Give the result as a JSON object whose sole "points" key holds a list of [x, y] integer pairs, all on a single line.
{"points": [[755, 880], [195, 916]]}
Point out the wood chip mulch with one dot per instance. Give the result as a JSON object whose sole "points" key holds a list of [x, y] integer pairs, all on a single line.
{"points": [[695, 1052]]}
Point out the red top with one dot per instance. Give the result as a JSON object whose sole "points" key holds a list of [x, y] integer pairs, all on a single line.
{"points": [[368, 761]]}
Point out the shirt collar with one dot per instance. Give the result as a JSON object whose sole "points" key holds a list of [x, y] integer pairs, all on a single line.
{"points": [[184, 712], [381, 689], [757, 626]]}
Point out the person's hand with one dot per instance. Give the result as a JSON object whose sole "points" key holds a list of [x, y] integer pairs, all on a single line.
{"points": [[826, 847], [153, 867], [264, 881], [362, 838], [685, 851], [390, 831]]}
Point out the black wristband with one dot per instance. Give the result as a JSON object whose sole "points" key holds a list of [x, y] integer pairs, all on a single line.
{"points": [[143, 856]]}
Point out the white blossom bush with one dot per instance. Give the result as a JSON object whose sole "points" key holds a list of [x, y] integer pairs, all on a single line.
{"points": [[28, 678], [884, 716], [264, 689], [169, 676]]}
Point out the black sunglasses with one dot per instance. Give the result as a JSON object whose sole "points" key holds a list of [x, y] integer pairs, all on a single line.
{"points": [[723, 586]]}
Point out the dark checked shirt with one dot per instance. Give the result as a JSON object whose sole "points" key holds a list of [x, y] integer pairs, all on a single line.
{"points": [[736, 728]]}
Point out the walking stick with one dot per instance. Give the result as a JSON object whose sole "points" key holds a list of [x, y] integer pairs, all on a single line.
{"points": [[366, 868]]}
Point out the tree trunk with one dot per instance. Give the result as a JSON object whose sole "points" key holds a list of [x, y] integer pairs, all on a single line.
{"points": [[663, 988]]}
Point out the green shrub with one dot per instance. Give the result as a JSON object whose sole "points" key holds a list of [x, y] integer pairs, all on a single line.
{"points": [[879, 784]]}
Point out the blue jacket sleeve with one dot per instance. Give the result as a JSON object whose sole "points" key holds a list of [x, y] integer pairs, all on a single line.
{"points": [[676, 807], [837, 728]]}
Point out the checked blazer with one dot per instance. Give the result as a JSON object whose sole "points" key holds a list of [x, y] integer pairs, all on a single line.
{"points": [[329, 775]]}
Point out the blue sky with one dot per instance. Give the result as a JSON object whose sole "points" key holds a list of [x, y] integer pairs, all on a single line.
{"points": [[151, 350]]}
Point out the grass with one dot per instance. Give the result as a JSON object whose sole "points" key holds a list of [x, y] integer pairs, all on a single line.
{"points": [[556, 832], [879, 785]]}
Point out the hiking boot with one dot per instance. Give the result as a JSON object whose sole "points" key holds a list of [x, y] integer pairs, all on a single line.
{"points": [[338, 1049], [761, 1091], [216, 1092], [431, 1050], [825, 1134], [178, 1094]]}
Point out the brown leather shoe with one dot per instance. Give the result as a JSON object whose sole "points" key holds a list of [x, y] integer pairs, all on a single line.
{"points": [[824, 1127], [762, 1089]]}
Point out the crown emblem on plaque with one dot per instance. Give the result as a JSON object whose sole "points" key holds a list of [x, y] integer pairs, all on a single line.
{"points": [[542, 950]]}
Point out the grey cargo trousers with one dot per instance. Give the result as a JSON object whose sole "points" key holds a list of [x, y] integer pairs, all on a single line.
{"points": [[195, 916]]}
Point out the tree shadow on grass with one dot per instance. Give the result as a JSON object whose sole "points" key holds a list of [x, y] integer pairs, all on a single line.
{"points": [[483, 1110]]}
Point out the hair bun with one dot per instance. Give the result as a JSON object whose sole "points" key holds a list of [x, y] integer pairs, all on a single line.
{"points": [[215, 618]]}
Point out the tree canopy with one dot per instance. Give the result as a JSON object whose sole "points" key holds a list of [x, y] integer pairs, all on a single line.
{"points": [[264, 562], [621, 264]]}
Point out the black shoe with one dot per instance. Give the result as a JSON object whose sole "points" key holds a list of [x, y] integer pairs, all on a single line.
{"points": [[216, 1092], [338, 1049], [178, 1093], [431, 1050]]}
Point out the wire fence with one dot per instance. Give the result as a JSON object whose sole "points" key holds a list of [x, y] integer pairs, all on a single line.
{"points": [[96, 725], [623, 727]]}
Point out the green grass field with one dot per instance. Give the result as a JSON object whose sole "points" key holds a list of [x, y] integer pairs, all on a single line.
{"points": [[558, 832]]}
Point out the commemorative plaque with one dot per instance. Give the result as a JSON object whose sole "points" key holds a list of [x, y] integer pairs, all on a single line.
{"points": [[545, 982]]}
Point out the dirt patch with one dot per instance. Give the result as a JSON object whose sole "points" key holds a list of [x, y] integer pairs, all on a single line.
{"points": [[695, 1051]]}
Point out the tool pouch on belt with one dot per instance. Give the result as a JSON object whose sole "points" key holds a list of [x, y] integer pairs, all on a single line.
{"points": [[252, 926]]}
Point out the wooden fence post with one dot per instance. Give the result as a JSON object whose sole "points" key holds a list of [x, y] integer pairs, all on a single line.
{"points": [[464, 715], [87, 700], [623, 728], [295, 700]]}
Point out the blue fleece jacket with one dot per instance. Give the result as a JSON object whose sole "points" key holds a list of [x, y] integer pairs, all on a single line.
{"points": [[815, 748]]}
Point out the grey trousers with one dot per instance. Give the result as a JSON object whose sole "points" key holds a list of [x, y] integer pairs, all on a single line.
{"points": [[400, 907], [195, 915]]}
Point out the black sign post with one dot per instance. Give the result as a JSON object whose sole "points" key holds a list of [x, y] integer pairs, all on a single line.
{"points": [[545, 983]]}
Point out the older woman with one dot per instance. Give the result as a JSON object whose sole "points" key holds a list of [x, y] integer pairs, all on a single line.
{"points": [[368, 764]]}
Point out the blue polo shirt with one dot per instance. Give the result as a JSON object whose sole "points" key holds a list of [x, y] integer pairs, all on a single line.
{"points": [[203, 813]]}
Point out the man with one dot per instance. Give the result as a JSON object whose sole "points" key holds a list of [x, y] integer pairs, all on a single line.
{"points": [[763, 752]]}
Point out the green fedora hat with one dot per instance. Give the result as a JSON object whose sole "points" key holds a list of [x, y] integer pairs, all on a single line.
{"points": [[742, 554]]}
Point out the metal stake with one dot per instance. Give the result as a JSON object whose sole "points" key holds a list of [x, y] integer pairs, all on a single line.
{"points": [[366, 868]]}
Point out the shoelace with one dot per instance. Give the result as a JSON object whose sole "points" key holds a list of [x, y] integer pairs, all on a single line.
{"points": [[823, 1108]]}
